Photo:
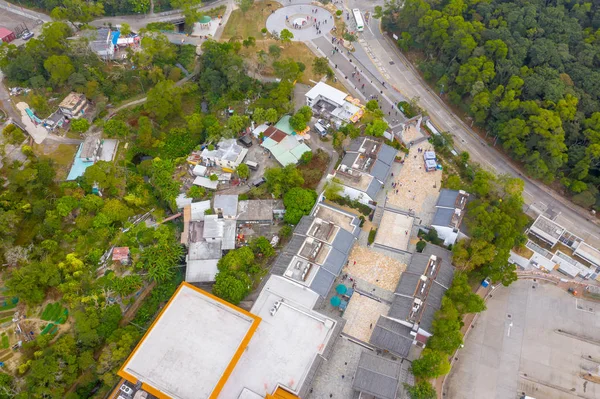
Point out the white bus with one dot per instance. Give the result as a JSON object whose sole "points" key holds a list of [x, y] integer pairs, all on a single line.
{"points": [[360, 25]]}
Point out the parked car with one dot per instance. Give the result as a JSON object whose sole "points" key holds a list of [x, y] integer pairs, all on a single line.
{"points": [[27, 35], [259, 182]]}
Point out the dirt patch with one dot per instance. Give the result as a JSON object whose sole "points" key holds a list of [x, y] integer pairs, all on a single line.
{"points": [[374, 268]]}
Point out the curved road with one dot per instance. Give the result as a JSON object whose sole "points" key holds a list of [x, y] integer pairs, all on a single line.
{"points": [[398, 72], [384, 59]]}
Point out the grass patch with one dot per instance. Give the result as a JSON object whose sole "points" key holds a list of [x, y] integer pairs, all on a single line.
{"points": [[9, 304], [242, 25], [298, 51], [5, 342], [61, 154], [55, 312], [6, 319], [48, 329]]}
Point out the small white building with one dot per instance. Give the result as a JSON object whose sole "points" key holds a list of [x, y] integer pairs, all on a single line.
{"points": [[364, 169], [330, 102], [449, 213], [228, 155], [74, 105]]}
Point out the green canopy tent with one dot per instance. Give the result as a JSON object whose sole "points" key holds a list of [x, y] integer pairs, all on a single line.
{"points": [[335, 301], [341, 289]]}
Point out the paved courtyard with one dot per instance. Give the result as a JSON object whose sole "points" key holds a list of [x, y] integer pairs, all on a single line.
{"points": [[374, 267], [530, 341], [361, 315], [417, 189], [302, 21]]}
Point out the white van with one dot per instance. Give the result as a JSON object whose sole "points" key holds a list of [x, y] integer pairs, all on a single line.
{"points": [[320, 129]]}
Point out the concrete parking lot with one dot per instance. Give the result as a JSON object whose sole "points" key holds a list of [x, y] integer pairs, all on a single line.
{"points": [[534, 339]]}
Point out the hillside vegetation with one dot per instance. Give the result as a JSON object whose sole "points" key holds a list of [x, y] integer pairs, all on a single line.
{"points": [[526, 71]]}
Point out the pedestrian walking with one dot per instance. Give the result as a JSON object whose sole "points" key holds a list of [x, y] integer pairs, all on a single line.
{"points": [[363, 86]]}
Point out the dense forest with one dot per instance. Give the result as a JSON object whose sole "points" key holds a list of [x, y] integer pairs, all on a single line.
{"points": [[525, 70], [108, 7]]}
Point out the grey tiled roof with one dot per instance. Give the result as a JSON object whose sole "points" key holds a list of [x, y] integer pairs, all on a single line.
{"points": [[281, 263], [447, 198], [380, 170], [356, 144], [343, 241], [401, 307], [295, 244], [407, 284], [387, 154], [335, 262], [304, 225], [322, 282], [376, 376], [418, 263], [373, 189], [391, 336], [443, 217], [427, 316], [349, 159]]}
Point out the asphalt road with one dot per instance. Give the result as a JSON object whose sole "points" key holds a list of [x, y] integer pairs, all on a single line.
{"points": [[398, 72]]}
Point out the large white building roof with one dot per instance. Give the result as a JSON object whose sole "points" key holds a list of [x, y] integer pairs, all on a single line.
{"points": [[192, 347], [331, 93], [285, 344]]}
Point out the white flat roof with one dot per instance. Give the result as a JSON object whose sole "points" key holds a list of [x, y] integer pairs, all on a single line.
{"points": [[191, 348], [201, 271], [285, 345], [588, 253], [328, 92]]}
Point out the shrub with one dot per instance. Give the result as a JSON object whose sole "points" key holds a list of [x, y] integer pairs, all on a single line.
{"points": [[13, 134], [213, 177], [372, 235], [421, 246]]}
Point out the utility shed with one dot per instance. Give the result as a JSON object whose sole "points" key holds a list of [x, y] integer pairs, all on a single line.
{"points": [[376, 376]]}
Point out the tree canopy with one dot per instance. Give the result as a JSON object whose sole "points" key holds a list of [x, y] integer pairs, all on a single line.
{"points": [[527, 73]]}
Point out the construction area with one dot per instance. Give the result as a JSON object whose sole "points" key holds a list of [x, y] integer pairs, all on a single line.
{"points": [[417, 189], [361, 315], [534, 339], [374, 268]]}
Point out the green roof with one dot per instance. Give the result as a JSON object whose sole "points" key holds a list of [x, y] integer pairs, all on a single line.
{"points": [[284, 125]]}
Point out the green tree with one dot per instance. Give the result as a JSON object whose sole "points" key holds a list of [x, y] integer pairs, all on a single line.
{"points": [[116, 128], [281, 180], [306, 157], [376, 128], [230, 288], [250, 41], [243, 171], [421, 390], [431, 364], [161, 259], [77, 11], [321, 66], [298, 202], [333, 190], [274, 51], [287, 69], [80, 125], [286, 36], [164, 100], [271, 115], [262, 246], [196, 192], [60, 68]]}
